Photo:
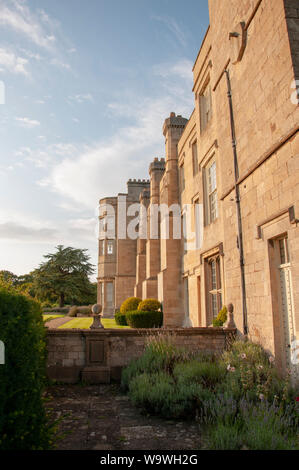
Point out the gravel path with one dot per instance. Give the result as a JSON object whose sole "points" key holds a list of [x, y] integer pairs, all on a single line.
{"points": [[56, 322], [100, 417]]}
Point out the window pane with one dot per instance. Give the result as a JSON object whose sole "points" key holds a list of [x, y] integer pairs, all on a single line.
{"points": [[110, 248], [213, 206], [213, 275], [214, 305], [282, 251], [109, 293], [212, 177]]}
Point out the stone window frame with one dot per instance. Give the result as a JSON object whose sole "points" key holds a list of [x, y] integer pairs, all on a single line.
{"points": [[102, 293], [182, 179], [195, 201], [205, 105], [195, 165], [102, 247]]}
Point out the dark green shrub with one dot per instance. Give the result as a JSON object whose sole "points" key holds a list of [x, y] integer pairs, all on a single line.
{"points": [[224, 437], [267, 428], [23, 422], [160, 355], [206, 373], [149, 305], [120, 319], [138, 319], [157, 394], [259, 427], [130, 304], [252, 374]]}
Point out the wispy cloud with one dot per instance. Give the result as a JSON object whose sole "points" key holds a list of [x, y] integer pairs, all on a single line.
{"points": [[12, 63], [60, 63], [182, 69], [46, 155], [14, 226], [15, 231], [81, 98], [17, 16], [173, 27], [27, 122]]}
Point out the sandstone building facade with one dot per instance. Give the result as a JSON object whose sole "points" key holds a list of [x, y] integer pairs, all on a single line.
{"points": [[237, 158]]}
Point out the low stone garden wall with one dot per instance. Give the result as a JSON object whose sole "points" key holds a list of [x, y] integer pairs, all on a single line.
{"points": [[97, 356]]}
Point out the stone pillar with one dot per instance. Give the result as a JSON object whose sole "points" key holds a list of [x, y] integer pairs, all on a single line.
{"points": [[170, 277], [150, 285]]}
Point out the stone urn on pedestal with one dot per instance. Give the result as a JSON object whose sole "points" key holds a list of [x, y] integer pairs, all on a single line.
{"points": [[97, 316]]}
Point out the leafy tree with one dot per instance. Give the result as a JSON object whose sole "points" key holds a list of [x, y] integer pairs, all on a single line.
{"points": [[7, 277], [63, 275]]}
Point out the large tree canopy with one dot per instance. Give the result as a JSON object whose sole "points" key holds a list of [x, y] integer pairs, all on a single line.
{"points": [[64, 274]]}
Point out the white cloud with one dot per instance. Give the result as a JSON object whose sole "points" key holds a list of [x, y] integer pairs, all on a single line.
{"points": [[27, 122], [81, 98], [47, 155], [18, 227], [12, 63], [104, 169], [19, 18], [182, 69], [61, 64], [173, 27], [16, 231]]}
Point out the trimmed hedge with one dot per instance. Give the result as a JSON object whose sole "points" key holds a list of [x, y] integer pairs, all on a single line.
{"points": [[137, 319], [23, 420], [56, 309], [149, 305], [130, 304], [120, 319]]}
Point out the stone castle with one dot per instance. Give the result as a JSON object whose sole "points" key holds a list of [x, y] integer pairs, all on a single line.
{"points": [[237, 157]]}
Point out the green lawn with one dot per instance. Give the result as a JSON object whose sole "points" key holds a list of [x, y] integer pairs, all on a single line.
{"points": [[51, 317], [85, 323]]}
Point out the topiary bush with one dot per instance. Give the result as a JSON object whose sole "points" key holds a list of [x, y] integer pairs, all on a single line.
{"points": [[130, 304], [138, 319], [149, 305], [221, 317], [120, 319], [23, 420], [73, 311]]}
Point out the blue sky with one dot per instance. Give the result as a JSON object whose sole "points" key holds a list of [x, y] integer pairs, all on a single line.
{"points": [[88, 85]]}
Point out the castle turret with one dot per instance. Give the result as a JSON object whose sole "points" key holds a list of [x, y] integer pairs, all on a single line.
{"points": [[170, 277]]}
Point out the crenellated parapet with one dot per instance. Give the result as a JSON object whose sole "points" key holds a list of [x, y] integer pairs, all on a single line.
{"points": [[157, 164], [174, 122]]}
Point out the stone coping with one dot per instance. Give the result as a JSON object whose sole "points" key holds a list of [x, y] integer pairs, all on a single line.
{"points": [[215, 331]]}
